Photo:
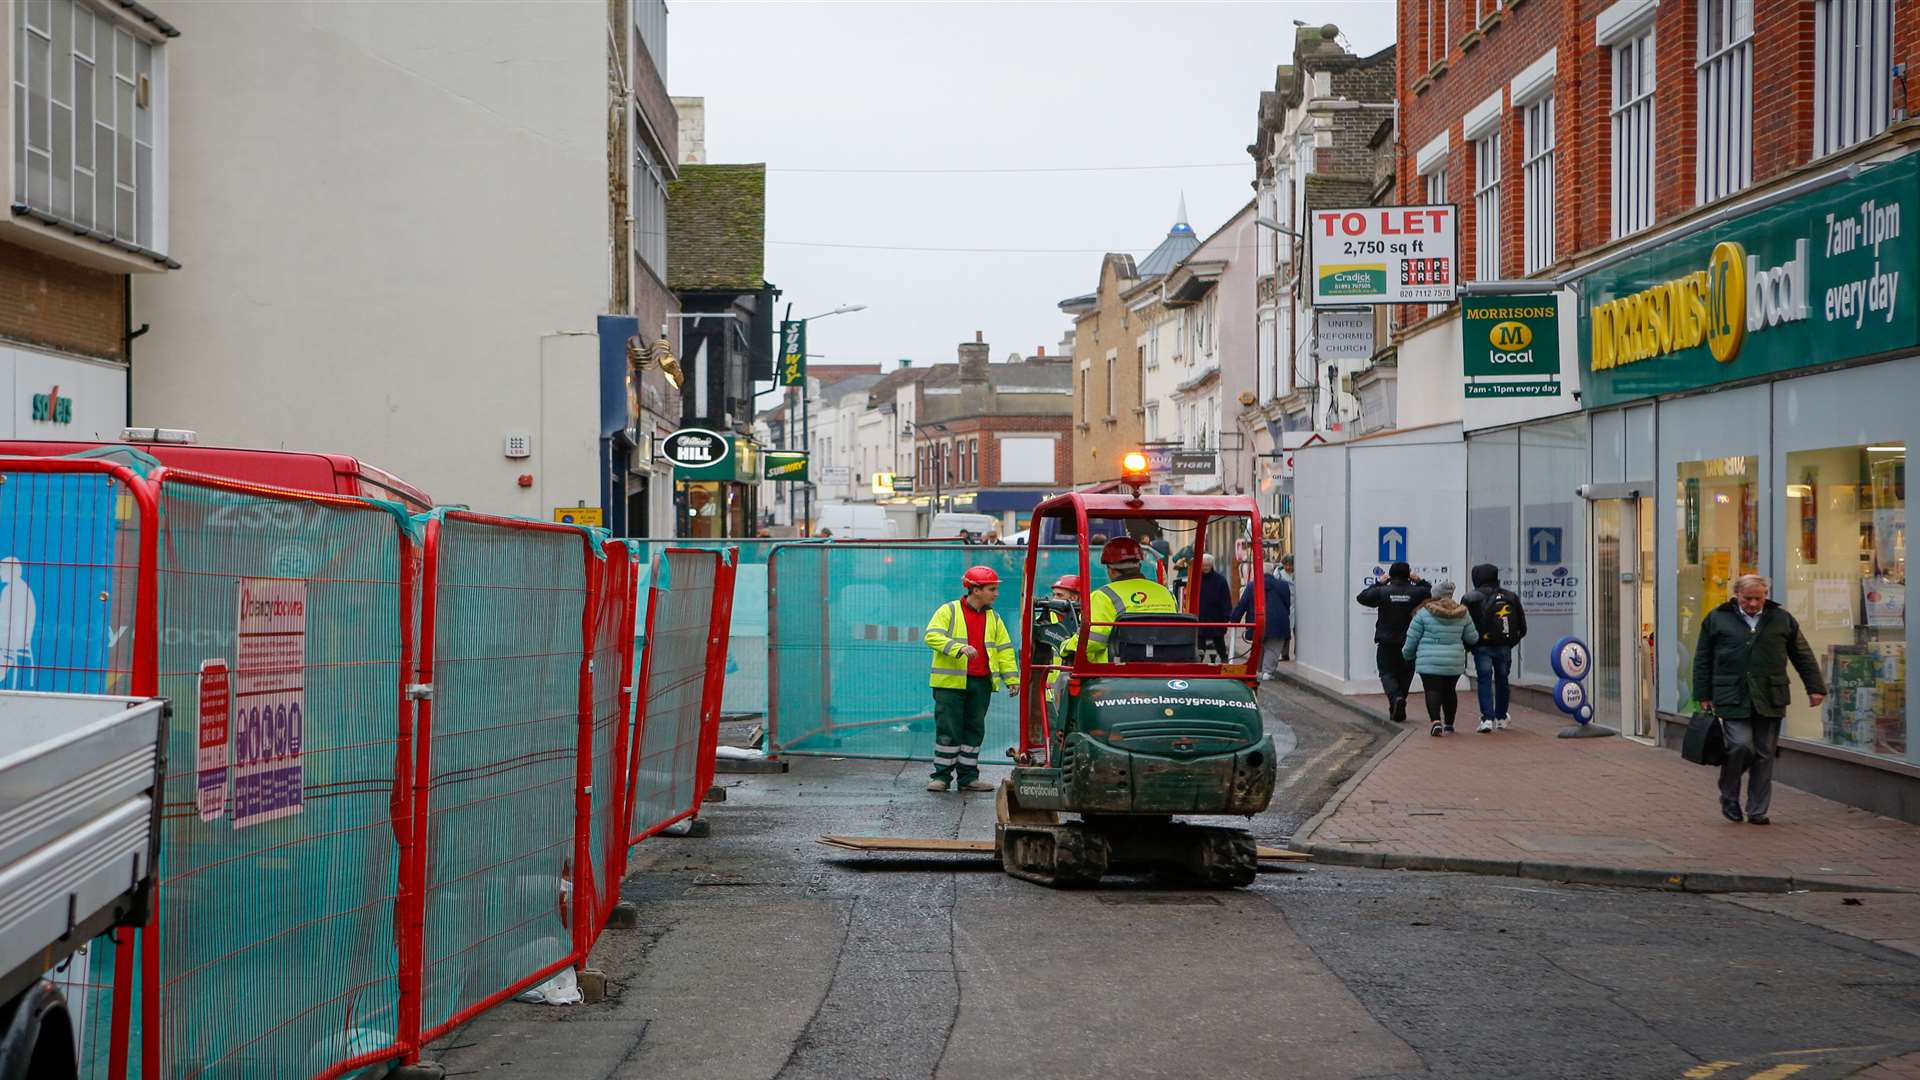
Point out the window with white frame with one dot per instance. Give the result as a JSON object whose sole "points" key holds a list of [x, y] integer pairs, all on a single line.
{"points": [[1536, 121], [1724, 163], [1633, 147], [1486, 207], [1852, 71], [1113, 372], [1153, 421], [1264, 350], [649, 205], [89, 95], [1202, 315], [1265, 239], [1436, 184], [1487, 9]]}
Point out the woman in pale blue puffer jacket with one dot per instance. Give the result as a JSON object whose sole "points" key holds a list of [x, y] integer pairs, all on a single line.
{"points": [[1438, 641]]}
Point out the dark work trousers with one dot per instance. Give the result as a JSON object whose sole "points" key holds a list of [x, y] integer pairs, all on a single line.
{"points": [[959, 723], [1751, 745], [1396, 672], [1492, 665], [1443, 697]]}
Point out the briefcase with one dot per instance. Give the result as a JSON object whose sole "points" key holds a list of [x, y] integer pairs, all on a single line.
{"points": [[1706, 741]]}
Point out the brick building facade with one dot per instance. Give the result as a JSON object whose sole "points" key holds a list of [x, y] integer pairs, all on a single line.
{"points": [[1474, 70]]}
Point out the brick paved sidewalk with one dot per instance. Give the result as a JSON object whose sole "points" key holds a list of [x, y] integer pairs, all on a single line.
{"points": [[1523, 802]]}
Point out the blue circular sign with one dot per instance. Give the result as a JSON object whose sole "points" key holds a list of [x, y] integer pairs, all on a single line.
{"points": [[1570, 696], [1571, 659]]}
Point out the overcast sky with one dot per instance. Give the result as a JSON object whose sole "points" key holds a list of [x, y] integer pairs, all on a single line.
{"points": [[958, 86]]}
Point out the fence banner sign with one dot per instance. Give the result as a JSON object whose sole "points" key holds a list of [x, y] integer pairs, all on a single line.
{"points": [[1511, 345], [210, 765], [793, 353], [269, 701], [1384, 255], [785, 464]]}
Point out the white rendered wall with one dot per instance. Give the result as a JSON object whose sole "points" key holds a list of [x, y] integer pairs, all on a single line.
{"points": [[392, 220]]}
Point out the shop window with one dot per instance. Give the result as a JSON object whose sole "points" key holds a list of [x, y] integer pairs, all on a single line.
{"points": [[1551, 542], [1718, 525], [1846, 538]]}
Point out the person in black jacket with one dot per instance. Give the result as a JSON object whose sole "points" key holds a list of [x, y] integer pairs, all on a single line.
{"points": [[1216, 606], [1396, 598], [1740, 674], [1279, 628], [1502, 622]]}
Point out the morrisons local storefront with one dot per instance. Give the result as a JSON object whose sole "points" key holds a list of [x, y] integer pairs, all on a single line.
{"points": [[1751, 392]]}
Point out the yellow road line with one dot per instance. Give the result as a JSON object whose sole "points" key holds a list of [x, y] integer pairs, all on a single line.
{"points": [[1701, 1072], [1779, 1072]]}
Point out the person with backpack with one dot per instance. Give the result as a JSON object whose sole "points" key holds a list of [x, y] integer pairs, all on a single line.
{"points": [[1438, 641], [1502, 622], [1396, 599]]}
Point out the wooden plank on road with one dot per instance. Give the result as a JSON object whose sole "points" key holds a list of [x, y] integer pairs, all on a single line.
{"points": [[937, 845]]}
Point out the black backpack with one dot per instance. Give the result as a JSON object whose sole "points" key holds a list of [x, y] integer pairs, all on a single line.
{"points": [[1502, 622]]}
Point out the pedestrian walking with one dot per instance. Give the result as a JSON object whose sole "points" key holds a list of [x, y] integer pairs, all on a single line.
{"points": [[1286, 575], [1216, 606], [972, 656], [1279, 628], [1396, 599], [1437, 643], [1502, 622], [1740, 675]]}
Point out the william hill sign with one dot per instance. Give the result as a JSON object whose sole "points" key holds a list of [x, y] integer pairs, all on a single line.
{"points": [[1827, 276]]}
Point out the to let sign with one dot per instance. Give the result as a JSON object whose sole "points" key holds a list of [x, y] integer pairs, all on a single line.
{"points": [[1384, 255], [1511, 345], [792, 370]]}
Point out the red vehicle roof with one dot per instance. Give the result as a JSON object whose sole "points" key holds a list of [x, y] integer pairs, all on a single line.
{"points": [[301, 470]]}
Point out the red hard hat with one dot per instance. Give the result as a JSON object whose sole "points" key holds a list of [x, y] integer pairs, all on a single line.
{"points": [[979, 575], [1120, 549], [1071, 583]]}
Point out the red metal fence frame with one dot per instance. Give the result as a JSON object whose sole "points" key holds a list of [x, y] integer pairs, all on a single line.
{"points": [[419, 588], [400, 799]]}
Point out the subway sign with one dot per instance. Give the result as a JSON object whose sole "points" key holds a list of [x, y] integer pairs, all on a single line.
{"points": [[1827, 276]]}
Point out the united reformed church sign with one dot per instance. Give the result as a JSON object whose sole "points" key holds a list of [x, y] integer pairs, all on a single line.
{"points": [[1827, 276]]}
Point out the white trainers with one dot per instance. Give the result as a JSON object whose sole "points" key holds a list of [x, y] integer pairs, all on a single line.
{"points": [[1486, 725], [936, 785], [1500, 723]]}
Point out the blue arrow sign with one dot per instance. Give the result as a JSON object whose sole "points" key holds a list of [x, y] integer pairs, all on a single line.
{"points": [[1393, 543], [1543, 545]]}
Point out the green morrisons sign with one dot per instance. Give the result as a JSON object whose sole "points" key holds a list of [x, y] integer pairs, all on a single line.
{"points": [[1827, 276], [785, 464], [1511, 345]]}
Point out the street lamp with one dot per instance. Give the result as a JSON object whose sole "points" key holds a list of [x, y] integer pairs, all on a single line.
{"points": [[806, 431], [939, 461]]}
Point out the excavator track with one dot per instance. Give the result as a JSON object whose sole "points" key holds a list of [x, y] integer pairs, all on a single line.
{"points": [[1036, 846]]}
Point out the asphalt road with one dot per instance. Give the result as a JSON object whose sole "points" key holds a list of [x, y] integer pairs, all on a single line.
{"points": [[762, 954]]}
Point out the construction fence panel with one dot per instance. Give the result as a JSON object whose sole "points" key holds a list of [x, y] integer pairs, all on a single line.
{"points": [[506, 626], [848, 659], [283, 644], [612, 697], [672, 747], [77, 541], [746, 669]]}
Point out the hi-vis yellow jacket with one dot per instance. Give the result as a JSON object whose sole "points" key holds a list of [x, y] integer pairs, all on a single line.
{"points": [[1127, 596], [947, 631]]}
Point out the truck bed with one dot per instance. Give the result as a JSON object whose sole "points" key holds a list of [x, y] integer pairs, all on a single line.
{"points": [[78, 822]]}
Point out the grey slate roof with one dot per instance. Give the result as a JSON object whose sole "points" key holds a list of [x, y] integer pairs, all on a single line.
{"points": [[1179, 244]]}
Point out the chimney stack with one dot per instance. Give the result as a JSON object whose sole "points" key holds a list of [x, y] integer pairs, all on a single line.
{"points": [[1041, 352], [973, 359]]}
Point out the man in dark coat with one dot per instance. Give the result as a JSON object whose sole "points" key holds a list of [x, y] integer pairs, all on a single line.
{"points": [[1740, 674], [1216, 606], [1279, 629], [1397, 598]]}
